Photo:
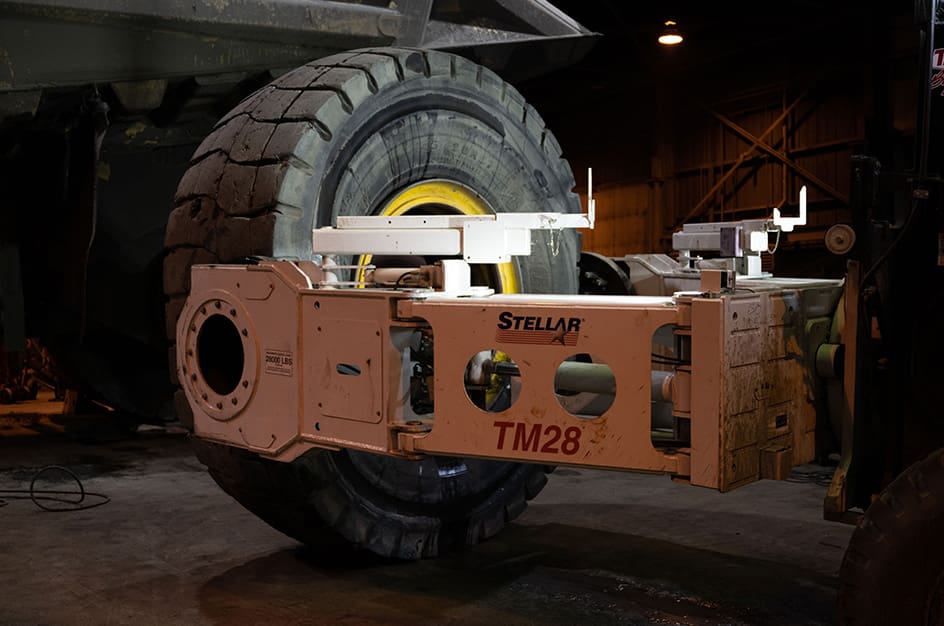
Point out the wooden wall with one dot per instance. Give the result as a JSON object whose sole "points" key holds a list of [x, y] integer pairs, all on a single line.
{"points": [[820, 135], [623, 219], [658, 146]]}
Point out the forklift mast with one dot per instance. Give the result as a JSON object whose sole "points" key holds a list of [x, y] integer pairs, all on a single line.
{"points": [[893, 353]]}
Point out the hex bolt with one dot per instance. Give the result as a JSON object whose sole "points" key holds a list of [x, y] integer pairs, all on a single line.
{"points": [[219, 405], [203, 310], [219, 304], [245, 384], [234, 401], [205, 397], [245, 333], [232, 312]]}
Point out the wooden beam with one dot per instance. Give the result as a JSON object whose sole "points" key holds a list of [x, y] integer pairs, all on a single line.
{"points": [[823, 146], [801, 171], [698, 208]]}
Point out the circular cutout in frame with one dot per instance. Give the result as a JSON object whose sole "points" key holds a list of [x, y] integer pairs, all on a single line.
{"points": [[585, 386], [492, 380]]}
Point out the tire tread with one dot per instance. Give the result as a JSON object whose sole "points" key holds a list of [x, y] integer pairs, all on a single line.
{"points": [[898, 528], [241, 180]]}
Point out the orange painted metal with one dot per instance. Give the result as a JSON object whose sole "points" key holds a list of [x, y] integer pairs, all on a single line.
{"points": [[331, 368], [614, 330]]}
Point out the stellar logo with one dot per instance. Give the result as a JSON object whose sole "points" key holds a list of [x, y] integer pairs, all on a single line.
{"points": [[537, 329]]}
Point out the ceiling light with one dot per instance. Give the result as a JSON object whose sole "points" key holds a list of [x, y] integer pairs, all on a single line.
{"points": [[670, 35]]}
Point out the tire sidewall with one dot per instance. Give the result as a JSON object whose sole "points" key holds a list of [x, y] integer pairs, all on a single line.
{"points": [[271, 171]]}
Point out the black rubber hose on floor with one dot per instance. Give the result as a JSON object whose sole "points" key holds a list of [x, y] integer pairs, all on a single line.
{"points": [[40, 496]]}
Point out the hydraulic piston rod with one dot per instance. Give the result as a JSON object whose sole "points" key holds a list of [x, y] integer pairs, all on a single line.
{"points": [[577, 377]]}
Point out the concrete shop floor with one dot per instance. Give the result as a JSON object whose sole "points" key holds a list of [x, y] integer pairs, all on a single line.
{"points": [[593, 548]]}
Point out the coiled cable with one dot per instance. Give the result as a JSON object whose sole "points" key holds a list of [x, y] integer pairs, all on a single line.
{"points": [[40, 497]]}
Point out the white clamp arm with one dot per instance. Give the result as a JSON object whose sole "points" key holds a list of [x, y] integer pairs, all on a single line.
{"points": [[786, 224], [477, 238]]}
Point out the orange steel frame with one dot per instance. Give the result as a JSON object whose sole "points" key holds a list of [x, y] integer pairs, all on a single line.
{"points": [[746, 388]]}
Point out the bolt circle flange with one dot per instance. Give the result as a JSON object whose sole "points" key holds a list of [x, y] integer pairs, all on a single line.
{"points": [[215, 310]]}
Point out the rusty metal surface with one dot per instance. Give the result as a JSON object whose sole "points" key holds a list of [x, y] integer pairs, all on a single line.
{"points": [[837, 501]]}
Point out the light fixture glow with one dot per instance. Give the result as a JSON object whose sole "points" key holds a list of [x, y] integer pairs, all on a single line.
{"points": [[670, 35]]}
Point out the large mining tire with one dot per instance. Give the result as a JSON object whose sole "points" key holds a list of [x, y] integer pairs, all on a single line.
{"points": [[893, 570], [342, 136]]}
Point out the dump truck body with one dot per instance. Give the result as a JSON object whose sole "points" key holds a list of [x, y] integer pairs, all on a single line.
{"points": [[102, 105]]}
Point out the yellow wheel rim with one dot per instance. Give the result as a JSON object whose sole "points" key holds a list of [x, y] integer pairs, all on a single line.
{"points": [[455, 197]]}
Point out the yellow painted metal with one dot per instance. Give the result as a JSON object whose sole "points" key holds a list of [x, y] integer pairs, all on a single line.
{"points": [[452, 196], [496, 382]]}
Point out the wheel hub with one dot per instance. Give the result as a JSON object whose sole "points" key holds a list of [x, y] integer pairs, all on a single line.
{"points": [[438, 197]]}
